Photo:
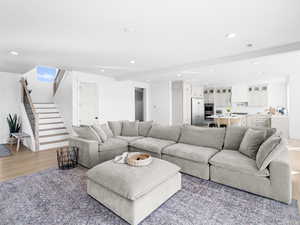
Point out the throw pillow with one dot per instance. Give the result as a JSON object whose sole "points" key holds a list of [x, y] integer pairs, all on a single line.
{"points": [[144, 128], [87, 132], [234, 137], [130, 129], [116, 127], [269, 150], [106, 130], [251, 142], [100, 132]]}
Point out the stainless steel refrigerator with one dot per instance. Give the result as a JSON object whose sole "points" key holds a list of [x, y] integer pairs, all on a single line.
{"points": [[197, 111]]}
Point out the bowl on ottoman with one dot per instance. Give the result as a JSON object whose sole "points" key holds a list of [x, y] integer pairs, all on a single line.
{"points": [[133, 193]]}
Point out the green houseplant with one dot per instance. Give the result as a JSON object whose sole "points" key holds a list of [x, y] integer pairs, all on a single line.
{"points": [[14, 124]]}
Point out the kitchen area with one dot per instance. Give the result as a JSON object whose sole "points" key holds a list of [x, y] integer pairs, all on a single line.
{"points": [[255, 105]]}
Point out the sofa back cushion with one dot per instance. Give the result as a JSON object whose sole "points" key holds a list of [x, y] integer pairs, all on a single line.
{"points": [[144, 128], [165, 132], [234, 137], [87, 132], [116, 127], [205, 137], [130, 128], [100, 132], [251, 142], [269, 150]]}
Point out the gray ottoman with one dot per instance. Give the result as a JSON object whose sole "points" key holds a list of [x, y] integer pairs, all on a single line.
{"points": [[133, 192]]}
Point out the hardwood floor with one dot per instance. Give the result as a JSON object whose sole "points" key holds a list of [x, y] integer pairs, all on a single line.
{"points": [[26, 162]]}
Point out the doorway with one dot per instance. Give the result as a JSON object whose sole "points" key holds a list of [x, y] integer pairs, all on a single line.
{"points": [[139, 94], [88, 103]]}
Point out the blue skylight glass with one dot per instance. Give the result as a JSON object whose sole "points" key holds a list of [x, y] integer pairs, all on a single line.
{"points": [[46, 74]]}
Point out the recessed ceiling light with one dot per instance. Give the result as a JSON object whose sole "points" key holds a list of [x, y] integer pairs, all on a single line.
{"points": [[255, 63], [102, 70], [230, 35], [179, 75], [132, 62], [14, 53], [147, 80]]}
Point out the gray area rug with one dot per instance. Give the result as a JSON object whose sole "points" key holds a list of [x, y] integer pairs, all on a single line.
{"points": [[54, 197], [4, 151]]}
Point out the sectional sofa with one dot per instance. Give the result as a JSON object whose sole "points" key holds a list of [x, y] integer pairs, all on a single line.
{"points": [[250, 159]]}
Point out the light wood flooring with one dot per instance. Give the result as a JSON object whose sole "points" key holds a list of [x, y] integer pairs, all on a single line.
{"points": [[26, 162]]}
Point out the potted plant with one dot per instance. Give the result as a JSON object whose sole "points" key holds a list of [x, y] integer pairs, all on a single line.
{"points": [[14, 124]]}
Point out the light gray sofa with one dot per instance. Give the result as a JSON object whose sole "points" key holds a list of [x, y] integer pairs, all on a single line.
{"points": [[216, 154]]}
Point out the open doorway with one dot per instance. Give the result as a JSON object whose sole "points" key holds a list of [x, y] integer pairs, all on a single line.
{"points": [[139, 94]]}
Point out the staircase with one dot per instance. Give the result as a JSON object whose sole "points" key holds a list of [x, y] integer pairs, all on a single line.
{"points": [[51, 128]]}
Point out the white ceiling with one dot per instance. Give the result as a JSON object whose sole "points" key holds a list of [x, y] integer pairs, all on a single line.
{"points": [[162, 37]]}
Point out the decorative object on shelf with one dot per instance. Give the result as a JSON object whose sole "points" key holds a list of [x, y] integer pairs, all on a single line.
{"points": [[139, 159], [14, 124], [67, 157]]}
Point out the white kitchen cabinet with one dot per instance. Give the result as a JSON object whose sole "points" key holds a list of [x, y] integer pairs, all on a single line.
{"points": [[258, 96], [222, 97], [197, 91], [239, 93]]}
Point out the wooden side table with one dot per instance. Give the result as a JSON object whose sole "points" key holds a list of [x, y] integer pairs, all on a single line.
{"points": [[19, 137]]}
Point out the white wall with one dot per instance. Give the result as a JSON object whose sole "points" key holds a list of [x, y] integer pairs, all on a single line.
{"points": [[116, 98], [41, 91], [10, 99], [64, 99], [294, 106], [161, 102]]}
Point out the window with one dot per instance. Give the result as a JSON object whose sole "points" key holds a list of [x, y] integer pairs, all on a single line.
{"points": [[46, 74]]}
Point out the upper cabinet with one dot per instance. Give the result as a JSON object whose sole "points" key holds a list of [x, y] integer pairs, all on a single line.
{"points": [[197, 91], [239, 93], [258, 96], [221, 97]]}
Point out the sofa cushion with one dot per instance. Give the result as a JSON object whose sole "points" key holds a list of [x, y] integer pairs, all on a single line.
{"points": [[107, 130], [87, 132], [234, 137], [144, 128], [100, 132], [151, 144], [116, 127], [130, 128], [251, 142], [170, 133], [269, 150], [236, 161], [190, 152], [130, 138], [112, 143], [132, 182], [205, 137]]}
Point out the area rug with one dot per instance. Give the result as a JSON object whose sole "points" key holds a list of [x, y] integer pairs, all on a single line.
{"points": [[55, 197], [4, 151]]}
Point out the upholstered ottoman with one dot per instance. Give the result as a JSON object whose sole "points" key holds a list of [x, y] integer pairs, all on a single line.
{"points": [[133, 192]]}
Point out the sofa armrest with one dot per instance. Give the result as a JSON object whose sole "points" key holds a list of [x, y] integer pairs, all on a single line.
{"points": [[280, 176], [88, 154]]}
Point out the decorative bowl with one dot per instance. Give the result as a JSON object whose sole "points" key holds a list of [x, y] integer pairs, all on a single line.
{"points": [[139, 159]]}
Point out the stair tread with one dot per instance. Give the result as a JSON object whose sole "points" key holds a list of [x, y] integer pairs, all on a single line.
{"points": [[51, 123], [45, 107], [47, 112], [53, 142], [46, 118], [57, 128], [53, 135], [43, 103]]}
